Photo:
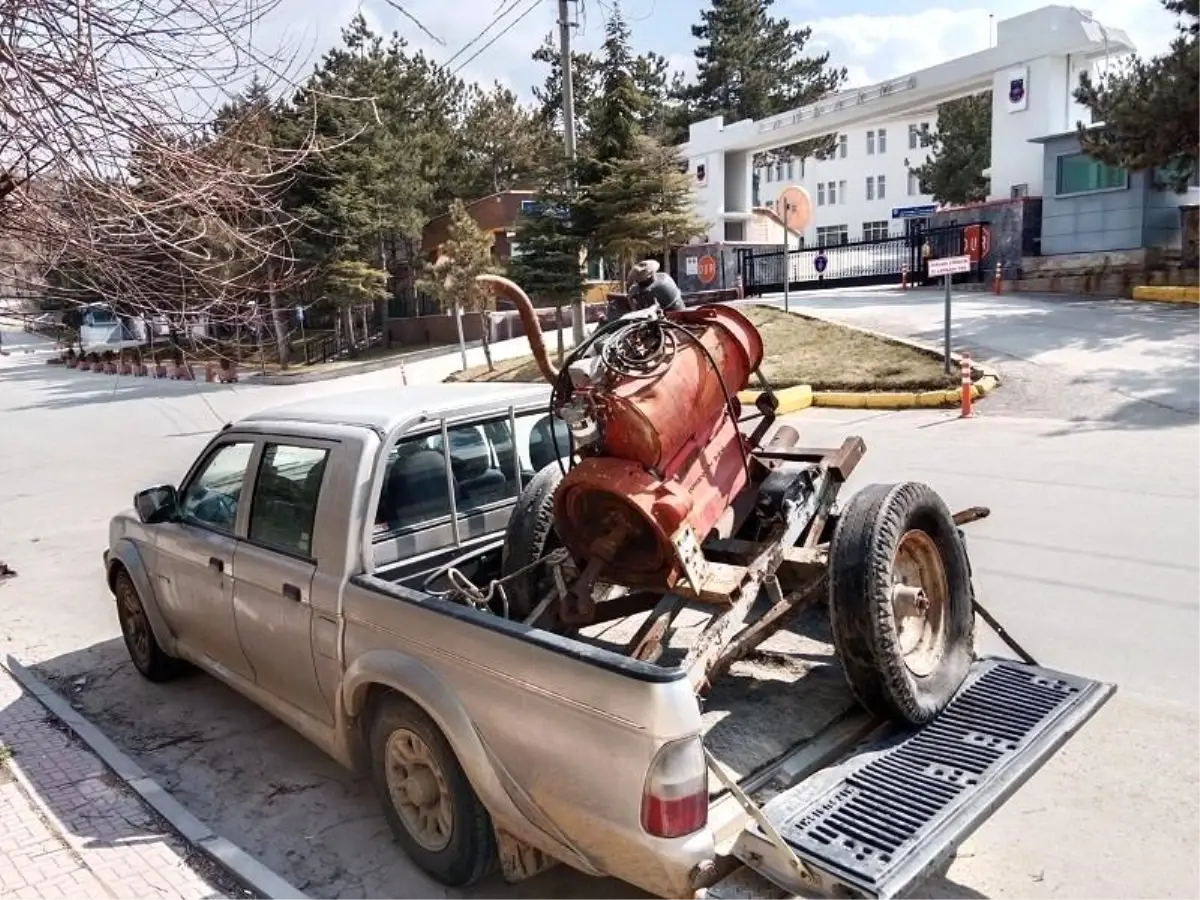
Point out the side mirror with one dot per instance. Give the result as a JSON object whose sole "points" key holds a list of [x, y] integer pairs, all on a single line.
{"points": [[157, 504]]}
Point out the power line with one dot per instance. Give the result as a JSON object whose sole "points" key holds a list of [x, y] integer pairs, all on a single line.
{"points": [[507, 28], [404, 12], [504, 10]]}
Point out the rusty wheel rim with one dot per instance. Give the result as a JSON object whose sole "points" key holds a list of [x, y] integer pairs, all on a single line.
{"points": [[418, 790], [134, 625], [920, 601]]}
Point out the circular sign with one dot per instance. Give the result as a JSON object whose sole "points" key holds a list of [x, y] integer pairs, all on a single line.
{"points": [[706, 269], [977, 242], [820, 263], [795, 208]]}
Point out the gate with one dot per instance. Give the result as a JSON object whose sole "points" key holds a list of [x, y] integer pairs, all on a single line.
{"points": [[847, 265]]}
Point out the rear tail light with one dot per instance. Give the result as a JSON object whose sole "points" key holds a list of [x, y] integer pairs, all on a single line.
{"points": [[675, 798]]}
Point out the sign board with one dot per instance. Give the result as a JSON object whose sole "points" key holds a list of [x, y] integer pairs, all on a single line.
{"points": [[1018, 89], [977, 242], [706, 269], [691, 265], [949, 265], [913, 212], [700, 169], [820, 262]]}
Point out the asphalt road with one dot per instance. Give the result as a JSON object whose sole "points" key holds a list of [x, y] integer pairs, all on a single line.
{"points": [[1089, 456]]}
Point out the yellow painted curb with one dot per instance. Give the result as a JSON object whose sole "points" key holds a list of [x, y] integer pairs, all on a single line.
{"points": [[1167, 294], [791, 399]]}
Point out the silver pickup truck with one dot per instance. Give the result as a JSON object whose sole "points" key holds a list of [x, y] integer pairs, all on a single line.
{"points": [[303, 559]]}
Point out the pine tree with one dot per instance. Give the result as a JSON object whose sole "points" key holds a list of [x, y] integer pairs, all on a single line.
{"points": [[614, 117], [547, 261], [466, 253], [961, 150], [645, 204], [750, 66], [1148, 108]]}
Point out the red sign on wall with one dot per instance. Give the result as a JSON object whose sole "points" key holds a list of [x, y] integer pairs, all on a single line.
{"points": [[977, 242], [707, 270]]}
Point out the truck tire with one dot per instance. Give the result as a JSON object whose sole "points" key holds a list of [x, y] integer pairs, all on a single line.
{"points": [[901, 601], [427, 800], [149, 658], [530, 535]]}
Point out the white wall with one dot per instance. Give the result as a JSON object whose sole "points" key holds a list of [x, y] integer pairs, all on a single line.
{"points": [[853, 208]]}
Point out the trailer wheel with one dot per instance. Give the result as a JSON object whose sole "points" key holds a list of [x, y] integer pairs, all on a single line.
{"points": [[530, 535], [900, 601]]}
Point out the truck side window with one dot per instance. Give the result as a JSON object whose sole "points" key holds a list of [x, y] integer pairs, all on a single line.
{"points": [[284, 506], [414, 488], [211, 498]]}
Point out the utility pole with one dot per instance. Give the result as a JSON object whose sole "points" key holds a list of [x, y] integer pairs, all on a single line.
{"points": [[568, 92]]}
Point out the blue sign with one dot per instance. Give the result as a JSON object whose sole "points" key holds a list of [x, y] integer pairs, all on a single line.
{"points": [[820, 263], [913, 212]]}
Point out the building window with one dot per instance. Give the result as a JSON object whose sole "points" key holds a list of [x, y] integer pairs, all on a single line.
{"points": [[767, 173], [843, 145], [914, 184], [1079, 173], [914, 137], [832, 235], [1019, 190], [791, 169], [870, 143], [882, 140], [802, 168], [876, 231], [820, 193], [779, 171], [870, 187], [832, 193], [528, 206], [880, 187], [842, 190]]}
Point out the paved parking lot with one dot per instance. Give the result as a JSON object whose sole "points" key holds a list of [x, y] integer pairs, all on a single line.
{"points": [[1089, 456]]}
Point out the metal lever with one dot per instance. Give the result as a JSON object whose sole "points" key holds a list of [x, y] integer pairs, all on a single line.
{"points": [[217, 565], [291, 592]]}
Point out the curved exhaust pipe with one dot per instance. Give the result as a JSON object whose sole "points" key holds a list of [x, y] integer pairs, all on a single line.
{"points": [[512, 292]]}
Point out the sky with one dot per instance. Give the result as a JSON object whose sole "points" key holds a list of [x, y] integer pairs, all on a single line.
{"points": [[873, 39]]}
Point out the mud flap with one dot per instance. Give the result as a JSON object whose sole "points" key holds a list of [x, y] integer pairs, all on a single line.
{"points": [[879, 823]]}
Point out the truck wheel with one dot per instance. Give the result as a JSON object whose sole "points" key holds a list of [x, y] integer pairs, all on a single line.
{"points": [[427, 800], [530, 535], [148, 657], [900, 601]]}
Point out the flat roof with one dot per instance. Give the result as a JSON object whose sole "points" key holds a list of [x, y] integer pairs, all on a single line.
{"points": [[383, 409]]}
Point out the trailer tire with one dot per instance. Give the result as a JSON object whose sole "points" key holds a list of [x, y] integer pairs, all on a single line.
{"points": [[905, 652], [529, 536]]}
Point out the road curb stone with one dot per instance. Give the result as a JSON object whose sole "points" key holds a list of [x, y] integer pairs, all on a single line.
{"points": [[219, 850]]}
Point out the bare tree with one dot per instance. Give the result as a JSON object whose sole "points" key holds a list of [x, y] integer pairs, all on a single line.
{"points": [[112, 173]]}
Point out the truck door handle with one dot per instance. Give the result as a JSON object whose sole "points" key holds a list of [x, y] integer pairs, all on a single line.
{"points": [[291, 592], [216, 564]]}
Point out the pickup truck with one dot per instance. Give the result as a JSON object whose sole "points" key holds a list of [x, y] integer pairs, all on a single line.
{"points": [[493, 742]]}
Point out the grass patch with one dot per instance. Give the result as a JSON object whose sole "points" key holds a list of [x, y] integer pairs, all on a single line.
{"points": [[799, 351]]}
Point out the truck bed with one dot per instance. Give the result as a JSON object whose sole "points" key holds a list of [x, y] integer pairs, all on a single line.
{"points": [[787, 692]]}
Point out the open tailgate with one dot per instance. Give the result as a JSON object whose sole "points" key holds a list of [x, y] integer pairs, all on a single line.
{"points": [[881, 821]]}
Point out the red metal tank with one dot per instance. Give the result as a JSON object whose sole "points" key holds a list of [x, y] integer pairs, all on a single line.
{"points": [[651, 420], [672, 457]]}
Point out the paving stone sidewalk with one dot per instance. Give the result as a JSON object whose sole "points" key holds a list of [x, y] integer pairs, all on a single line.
{"points": [[70, 828]]}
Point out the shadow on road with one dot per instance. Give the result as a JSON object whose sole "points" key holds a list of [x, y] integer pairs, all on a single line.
{"points": [[56, 387]]}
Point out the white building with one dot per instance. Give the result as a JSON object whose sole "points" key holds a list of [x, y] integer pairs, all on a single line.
{"points": [[854, 192], [1032, 71]]}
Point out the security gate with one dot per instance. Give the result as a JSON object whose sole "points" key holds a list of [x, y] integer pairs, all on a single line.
{"points": [[847, 265]]}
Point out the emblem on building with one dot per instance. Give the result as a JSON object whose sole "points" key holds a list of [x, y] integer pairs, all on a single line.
{"points": [[1016, 90]]}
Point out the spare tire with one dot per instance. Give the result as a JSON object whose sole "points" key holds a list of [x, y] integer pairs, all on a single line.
{"points": [[529, 536], [901, 601]]}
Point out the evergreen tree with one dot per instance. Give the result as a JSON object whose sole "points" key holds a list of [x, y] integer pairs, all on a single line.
{"points": [[614, 117], [645, 204], [466, 253], [1149, 107], [503, 143], [584, 85], [961, 149], [547, 263], [750, 65]]}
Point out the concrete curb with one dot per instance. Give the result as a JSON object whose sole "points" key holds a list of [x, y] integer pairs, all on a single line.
{"points": [[224, 853], [791, 399], [375, 365], [1167, 294], [984, 380]]}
